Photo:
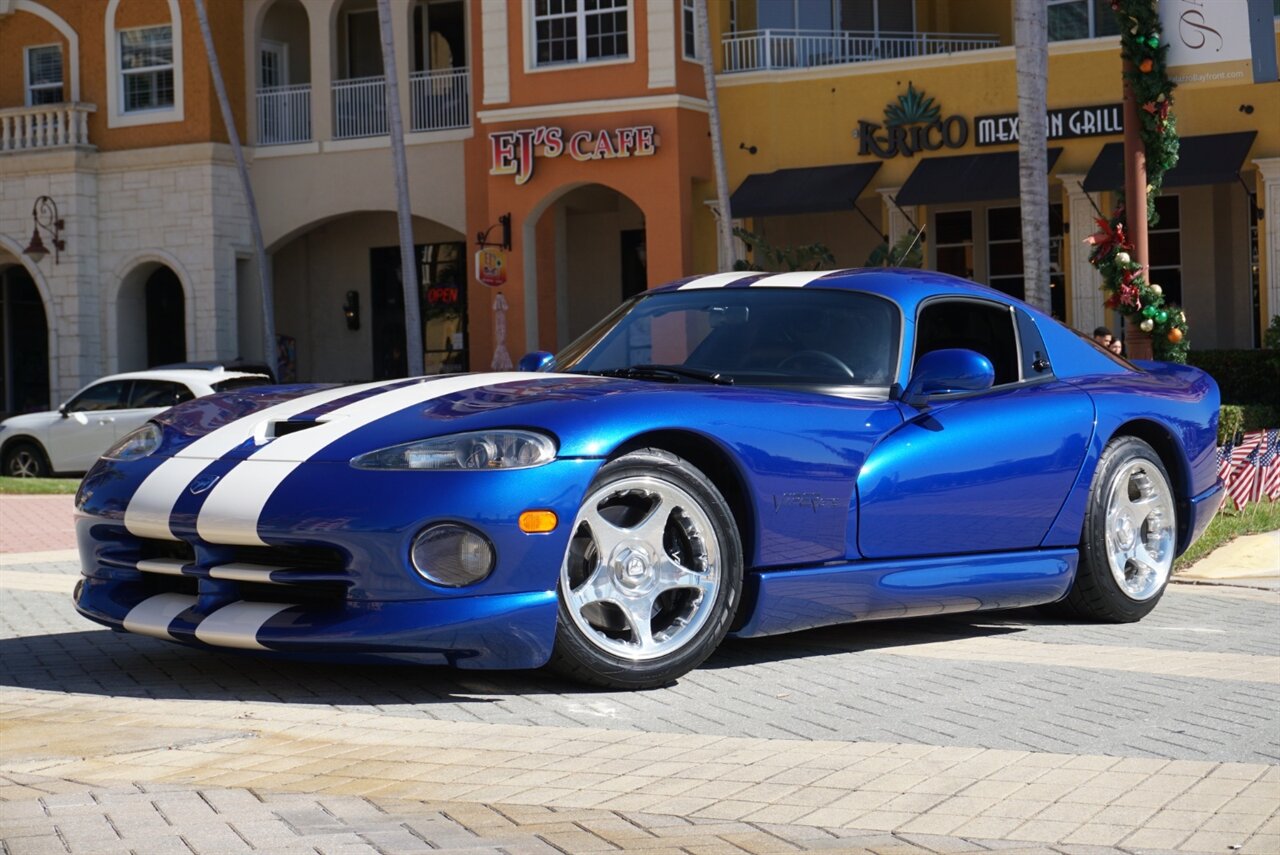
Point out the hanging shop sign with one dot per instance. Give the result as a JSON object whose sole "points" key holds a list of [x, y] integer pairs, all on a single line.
{"points": [[911, 124], [1219, 43], [512, 152], [1066, 124], [491, 266]]}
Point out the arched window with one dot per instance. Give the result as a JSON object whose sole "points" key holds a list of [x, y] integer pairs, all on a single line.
{"points": [[144, 65]]}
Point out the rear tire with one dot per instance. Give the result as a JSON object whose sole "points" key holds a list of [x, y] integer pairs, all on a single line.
{"points": [[652, 575], [25, 460], [1129, 537]]}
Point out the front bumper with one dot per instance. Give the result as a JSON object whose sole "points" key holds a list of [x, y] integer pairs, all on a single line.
{"points": [[334, 577], [1199, 513]]}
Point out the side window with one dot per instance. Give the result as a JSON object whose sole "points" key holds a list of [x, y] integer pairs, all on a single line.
{"points": [[987, 328], [158, 393], [112, 395]]}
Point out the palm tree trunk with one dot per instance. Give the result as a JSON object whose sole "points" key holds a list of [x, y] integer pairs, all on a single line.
{"points": [[400, 171], [1031, 51], [255, 225], [702, 35]]}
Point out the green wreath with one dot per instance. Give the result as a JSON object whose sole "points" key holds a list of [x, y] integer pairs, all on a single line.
{"points": [[1123, 280]]}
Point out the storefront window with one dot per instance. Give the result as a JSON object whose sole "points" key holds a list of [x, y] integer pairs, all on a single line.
{"points": [[1081, 19], [953, 242], [567, 31], [877, 16], [444, 307], [1164, 248], [1004, 255]]}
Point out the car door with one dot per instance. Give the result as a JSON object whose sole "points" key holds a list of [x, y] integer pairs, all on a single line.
{"points": [[88, 425], [976, 472]]}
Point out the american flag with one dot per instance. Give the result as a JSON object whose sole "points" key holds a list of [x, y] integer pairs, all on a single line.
{"points": [[1240, 469], [1269, 467]]}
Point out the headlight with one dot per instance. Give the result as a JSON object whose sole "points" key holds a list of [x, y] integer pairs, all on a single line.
{"points": [[489, 449], [141, 443]]}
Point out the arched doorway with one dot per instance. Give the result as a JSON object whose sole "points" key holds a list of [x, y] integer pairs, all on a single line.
{"points": [[339, 299], [151, 318], [24, 355], [283, 69], [599, 260]]}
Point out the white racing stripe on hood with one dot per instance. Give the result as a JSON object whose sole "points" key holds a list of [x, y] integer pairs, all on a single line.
{"points": [[798, 279], [230, 514], [717, 280], [147, 514]]}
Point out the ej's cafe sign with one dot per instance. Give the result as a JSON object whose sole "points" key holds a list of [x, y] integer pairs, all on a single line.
{"points": [[512, 152]]}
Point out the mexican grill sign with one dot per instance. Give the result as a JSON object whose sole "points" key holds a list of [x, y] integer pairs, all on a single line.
{"points": [[1066, 124], [512, 152]]}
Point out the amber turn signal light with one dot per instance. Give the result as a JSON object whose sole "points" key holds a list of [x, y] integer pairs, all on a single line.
{"points": [[537, 522]]}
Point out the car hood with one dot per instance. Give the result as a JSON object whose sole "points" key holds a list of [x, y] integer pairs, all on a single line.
{"points": [[588, 416], [30, 421]]}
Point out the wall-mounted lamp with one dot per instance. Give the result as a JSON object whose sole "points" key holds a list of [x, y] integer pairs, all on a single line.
{"points": [[749, 149], [45, 214], [504, 222], [351, 310]]}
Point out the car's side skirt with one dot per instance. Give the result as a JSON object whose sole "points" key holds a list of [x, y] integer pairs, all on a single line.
{"points": [[792, 600]]}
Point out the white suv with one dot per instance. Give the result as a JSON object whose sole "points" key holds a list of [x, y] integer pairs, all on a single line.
{"points": [[71, 438]]}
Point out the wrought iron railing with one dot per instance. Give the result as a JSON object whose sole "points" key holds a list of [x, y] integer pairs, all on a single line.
{"points": [[440, 99], [284, 114], [757, 50], [359, 107]]}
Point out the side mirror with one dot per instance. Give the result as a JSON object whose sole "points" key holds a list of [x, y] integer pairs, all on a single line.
{"points": [[63, 410], [943, 372], [538, 360]]}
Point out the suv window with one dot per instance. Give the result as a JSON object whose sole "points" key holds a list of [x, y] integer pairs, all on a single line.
{"points": [[111, 395], [972, 325], [158, 393]]}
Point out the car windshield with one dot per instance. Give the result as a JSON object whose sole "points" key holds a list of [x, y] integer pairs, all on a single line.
{"points": [[755, 337]]}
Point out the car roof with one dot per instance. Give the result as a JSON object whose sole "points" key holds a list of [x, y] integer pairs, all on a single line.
{"points": [[904, 286], [182, 375]]}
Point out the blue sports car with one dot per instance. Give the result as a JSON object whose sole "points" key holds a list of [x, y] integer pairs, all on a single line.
{"points": [[741, 452]]}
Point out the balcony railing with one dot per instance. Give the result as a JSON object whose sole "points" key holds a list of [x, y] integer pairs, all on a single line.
{"points": [[359, 108], [440, 99], [44, 127], [757, 50], [284, 114]]}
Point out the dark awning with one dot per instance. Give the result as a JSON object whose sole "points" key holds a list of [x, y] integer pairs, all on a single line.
{"points": [[802, 191], [965, 178], [1207, 159]]}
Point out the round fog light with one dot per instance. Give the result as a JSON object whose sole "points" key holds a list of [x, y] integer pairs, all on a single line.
{"points": [[452, 555]]}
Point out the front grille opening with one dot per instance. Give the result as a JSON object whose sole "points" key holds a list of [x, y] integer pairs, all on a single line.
{"points": [[301, 557], [148, 548], [312, 595], [162, 583]]}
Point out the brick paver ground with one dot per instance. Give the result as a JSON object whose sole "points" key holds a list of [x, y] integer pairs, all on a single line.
{"points": [[37, 523], [951, 734]]}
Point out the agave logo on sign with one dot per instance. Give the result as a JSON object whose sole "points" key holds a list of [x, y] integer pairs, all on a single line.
{"points": [[912, 123]]}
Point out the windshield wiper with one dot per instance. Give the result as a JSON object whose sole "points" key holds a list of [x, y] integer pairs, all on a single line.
{"points": [[669, 373]]}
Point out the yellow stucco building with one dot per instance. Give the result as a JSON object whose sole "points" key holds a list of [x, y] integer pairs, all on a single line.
{"points": [[812, 104]]}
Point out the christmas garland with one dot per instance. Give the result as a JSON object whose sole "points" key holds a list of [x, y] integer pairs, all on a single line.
{"points": [[1123, 279]]}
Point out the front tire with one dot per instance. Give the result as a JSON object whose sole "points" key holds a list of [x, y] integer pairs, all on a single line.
{"points": [[651, 577], [25, 460], [1129, 538]]}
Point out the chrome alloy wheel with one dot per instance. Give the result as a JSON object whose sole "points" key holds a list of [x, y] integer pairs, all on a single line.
{"points": [[642, 570], [1140, 529]]}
